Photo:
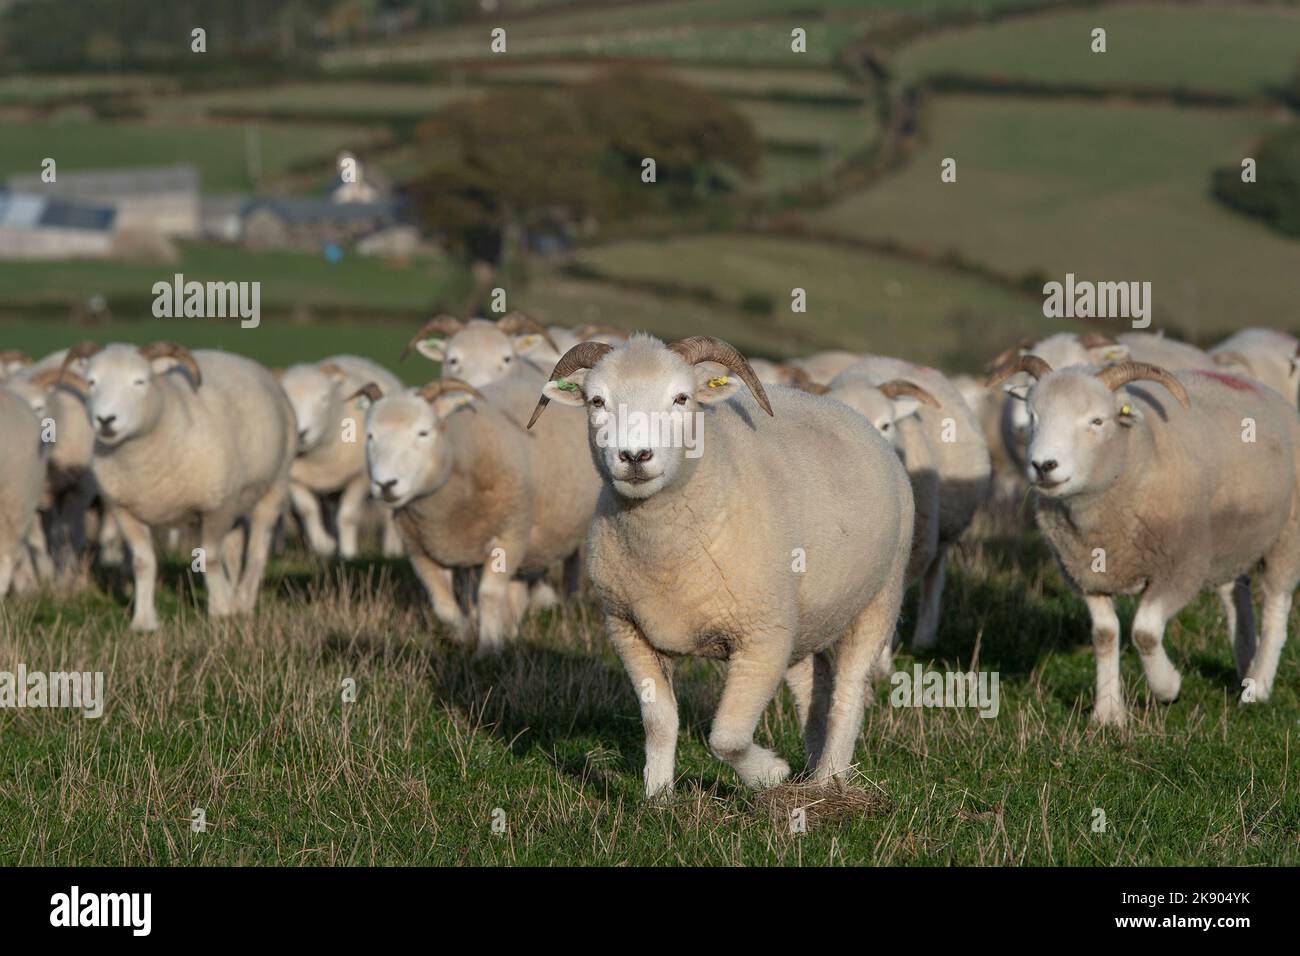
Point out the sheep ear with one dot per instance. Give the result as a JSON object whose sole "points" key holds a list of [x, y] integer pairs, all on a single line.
{"points": [[1105, 354], [567, 391], [528, 342], [449, 402], [1019, 391], [162, 364], [432, 349], [1127, 412], [715, 383], [905, 406]]}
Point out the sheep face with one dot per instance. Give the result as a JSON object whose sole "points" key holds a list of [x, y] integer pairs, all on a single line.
{"points": [[644, 413], [407, 453], [1059, 351], [883, 413], [317, 401], [1077, 433], [480, 353], [125, 399]]}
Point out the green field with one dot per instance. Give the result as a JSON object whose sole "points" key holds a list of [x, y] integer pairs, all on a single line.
{"points": [[1113, 191], [319, 101], [220, 151], [246, 722], [838, 128], [1240, 50]]}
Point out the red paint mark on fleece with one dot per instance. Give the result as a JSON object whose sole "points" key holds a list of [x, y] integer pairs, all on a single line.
{"points": [[1223, 378]]}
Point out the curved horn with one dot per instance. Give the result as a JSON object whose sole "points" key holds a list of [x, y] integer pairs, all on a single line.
{"points": [[370, 391], [903, 387], [332, 369], [1094, 340], [1120, 374], [805, 384], [516, 323], [444, 324], [82, 350], [705, 348], [442, 386], [14, 357], [49, 377], [1006, 355], [1025, 363], [589, 331], [178, 352], [582, 355]]}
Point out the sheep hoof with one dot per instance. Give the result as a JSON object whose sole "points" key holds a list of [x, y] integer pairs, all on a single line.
{"points": [[1109, 714], [144, 625]]}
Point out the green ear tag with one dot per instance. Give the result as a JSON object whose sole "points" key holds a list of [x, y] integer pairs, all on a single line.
{"points": [[564, 385]]}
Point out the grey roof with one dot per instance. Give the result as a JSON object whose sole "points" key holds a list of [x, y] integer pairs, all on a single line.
{"points": [[296, 209], [93, 184], [19, 210]]}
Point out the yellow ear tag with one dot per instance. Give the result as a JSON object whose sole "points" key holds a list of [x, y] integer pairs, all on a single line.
{"points": [[718, 382], [1113, 353], [1126, 409], [527, 341]]}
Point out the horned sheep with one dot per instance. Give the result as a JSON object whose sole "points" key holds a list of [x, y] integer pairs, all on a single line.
{"points": [[787, 537], [1140, 494], [481, 351], [22, 478]]}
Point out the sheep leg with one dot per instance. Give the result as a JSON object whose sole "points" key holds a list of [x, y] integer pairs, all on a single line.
{"points": [[351, 504], [261, 527], [753, 677], [213, 532], [652, 680], [437, 582], [495, 621], [572, 574], [1148, 635], [855, 655], [542, 596], [1241, 621], [392, 540], [144, 565], [42, 563], [6, 573], [810, 684], [927, 617], [1263, 668], [307, 506], [110, 540], [1108, 705]]}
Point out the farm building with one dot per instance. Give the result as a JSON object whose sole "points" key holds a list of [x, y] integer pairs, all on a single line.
{"points": [[303, 223], [36, 227], [161, 199]]}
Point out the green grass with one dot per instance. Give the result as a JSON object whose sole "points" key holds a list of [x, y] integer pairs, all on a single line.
{"points": [[1242, 50], [321, 101], [218, 150], [245, 720], [836, 128], [289, 279], [27, 90], [1106, 191], [856, 299]]}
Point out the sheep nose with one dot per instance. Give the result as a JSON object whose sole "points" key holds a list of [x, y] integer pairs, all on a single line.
{"points": [[640, 457], [105, 420], [1044, 468], [302, 434], [386, 485]]}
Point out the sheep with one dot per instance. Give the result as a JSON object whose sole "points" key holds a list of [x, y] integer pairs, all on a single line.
{"points": [[1265, 355], [331, 454], [179, 434], [59, 402], [787, 536], [481, 351], [821, 367], [1138, 494], [942, 446], [22, 478], [469, 487], [13, 362]]}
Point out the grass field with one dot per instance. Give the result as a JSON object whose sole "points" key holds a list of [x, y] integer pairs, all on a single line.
{"points": [[246, 721], [219, 150], [1241, 50], [321, 101], [1113, 191]]}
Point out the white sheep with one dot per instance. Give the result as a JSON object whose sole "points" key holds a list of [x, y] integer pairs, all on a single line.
{"points": [[785, 538], [821, 367], [1138, 493], [470, 488], [941, 443], [12, 362], [481, 351], [22, 479], [1266, 355], [331, 449], [177, 435]]}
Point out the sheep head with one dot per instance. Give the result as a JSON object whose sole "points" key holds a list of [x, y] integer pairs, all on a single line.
{"points": [[480, 351], [123, 384]]}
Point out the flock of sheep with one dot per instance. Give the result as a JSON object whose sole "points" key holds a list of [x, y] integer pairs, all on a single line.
{"points": [[781, 537]]}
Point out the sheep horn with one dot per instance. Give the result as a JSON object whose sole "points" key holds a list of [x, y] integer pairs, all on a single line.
{"points": [[1094, 340], [903, 387], [332, 369], [705, 348], [442, 386], [585, 332], [1025, 363], [14, 357], [370, 391], [1006, 355], [49, 377], [582, 355], [1115, 376], [808, 385], [447, 325], [516, 323], [178, 352], [1230, 358], [82, 350]]}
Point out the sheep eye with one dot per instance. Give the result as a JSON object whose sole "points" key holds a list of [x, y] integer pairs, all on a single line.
{"points": [[1098, 422], [885, 427], [598, 402], [138, 383], [508, 358], [424, 433], [681, 399]]}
